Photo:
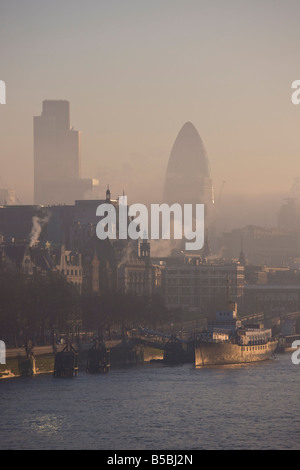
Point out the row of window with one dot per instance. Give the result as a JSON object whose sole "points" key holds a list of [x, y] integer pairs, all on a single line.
{"points": [[191, 281], [254, 348], [134, 276], [194, 272], [200, 290], [203, 281], [282, 297], [72, 272]]}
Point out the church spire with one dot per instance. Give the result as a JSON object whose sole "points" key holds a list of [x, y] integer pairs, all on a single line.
{"points": [[242, 259], [108, 194]]}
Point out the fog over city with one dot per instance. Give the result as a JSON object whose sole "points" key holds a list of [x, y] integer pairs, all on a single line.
{"points": [[149, 227], [134, 72]]}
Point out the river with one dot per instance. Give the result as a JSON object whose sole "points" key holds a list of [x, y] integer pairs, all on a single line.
{"points": [[155, 407]]}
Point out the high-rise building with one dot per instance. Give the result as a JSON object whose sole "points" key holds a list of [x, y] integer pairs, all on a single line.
{"points": [[188, 177], [57, 157]]}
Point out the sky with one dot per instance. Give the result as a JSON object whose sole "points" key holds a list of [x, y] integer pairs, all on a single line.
{"points": [[135, 71]]}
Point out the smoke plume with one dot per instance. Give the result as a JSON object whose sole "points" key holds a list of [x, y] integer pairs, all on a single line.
{"points": [[37, 226]]}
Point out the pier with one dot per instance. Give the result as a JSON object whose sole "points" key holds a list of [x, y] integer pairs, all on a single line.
{"points": [[98, 360], [66, 362], [26, 364]]}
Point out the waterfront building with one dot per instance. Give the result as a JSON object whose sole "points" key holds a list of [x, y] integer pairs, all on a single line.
{"points": [[138, 275], [261, 245], [272, 299], [202, 287]]}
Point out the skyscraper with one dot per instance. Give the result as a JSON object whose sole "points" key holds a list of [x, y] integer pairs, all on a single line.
{"points": [[188, 180], [188, 176], [57, 157]]}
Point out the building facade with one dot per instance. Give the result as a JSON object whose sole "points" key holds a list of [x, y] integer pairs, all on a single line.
{"points": [[70, 266], [57, 157], [202, 287]]}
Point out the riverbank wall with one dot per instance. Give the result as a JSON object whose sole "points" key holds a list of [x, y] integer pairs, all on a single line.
{"points": [[122, 353]]}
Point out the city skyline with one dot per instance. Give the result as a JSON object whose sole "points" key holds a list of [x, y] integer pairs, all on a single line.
{"points": [[149, 227], [136, 72]]}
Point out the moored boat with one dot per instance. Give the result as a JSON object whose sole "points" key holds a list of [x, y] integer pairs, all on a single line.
{"points": [[228, 341]]}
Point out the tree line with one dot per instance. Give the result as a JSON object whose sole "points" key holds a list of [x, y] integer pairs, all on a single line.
{"points": [[41, 308]]}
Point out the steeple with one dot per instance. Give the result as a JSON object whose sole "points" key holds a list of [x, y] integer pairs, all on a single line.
{"points": [[145, 249], [242, 259], [108, 194]]}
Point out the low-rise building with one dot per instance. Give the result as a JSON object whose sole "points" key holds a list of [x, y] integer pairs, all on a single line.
{"points": [[202, 287], [70, 266]]}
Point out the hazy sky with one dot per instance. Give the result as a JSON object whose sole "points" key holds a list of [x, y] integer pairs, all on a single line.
{"points": [[135, 71]]}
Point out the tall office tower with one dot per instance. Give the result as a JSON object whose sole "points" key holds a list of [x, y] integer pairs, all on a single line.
{"points": [[57, 156], [188, 177]]}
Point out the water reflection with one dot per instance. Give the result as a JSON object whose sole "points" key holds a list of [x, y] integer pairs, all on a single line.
{"points": [[253, 406], [46, 424]]}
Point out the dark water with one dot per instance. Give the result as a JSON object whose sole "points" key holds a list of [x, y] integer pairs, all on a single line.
{"points": [[153, 407]]}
